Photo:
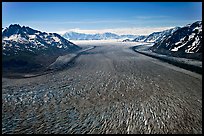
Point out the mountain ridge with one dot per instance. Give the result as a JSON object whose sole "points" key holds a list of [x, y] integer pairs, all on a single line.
{"points": [[25, 49], [185, 42]]}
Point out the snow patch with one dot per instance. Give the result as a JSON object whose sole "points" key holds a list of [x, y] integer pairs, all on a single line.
{"points": [[191, 36], [194, 45], [176, 48], [59, 46], [57, 39], [17, 38], [32, 36], [199, 28]]}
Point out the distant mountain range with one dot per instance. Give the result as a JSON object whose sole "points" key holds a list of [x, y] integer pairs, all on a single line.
{"points": [[23, 46], [104, 36]]}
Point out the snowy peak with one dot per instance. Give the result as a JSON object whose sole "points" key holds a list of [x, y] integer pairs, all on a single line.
{"points": [[17, 29], [17, 39]]}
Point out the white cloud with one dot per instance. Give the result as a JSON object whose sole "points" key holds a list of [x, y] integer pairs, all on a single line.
{"points": [[120, 31]]}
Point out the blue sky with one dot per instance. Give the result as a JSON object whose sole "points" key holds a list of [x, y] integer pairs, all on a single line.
{"points": [[91, 17]]}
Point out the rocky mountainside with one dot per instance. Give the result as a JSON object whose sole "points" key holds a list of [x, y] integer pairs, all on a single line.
{"points": [[29, 48], [155, 36], [158, 36], [184, 42]]}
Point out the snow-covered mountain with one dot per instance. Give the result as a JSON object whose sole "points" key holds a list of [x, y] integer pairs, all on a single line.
{"points": [[187, 39], [16, 39], [103, 36], [108, 36], [25, 49], [79, 36]]}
